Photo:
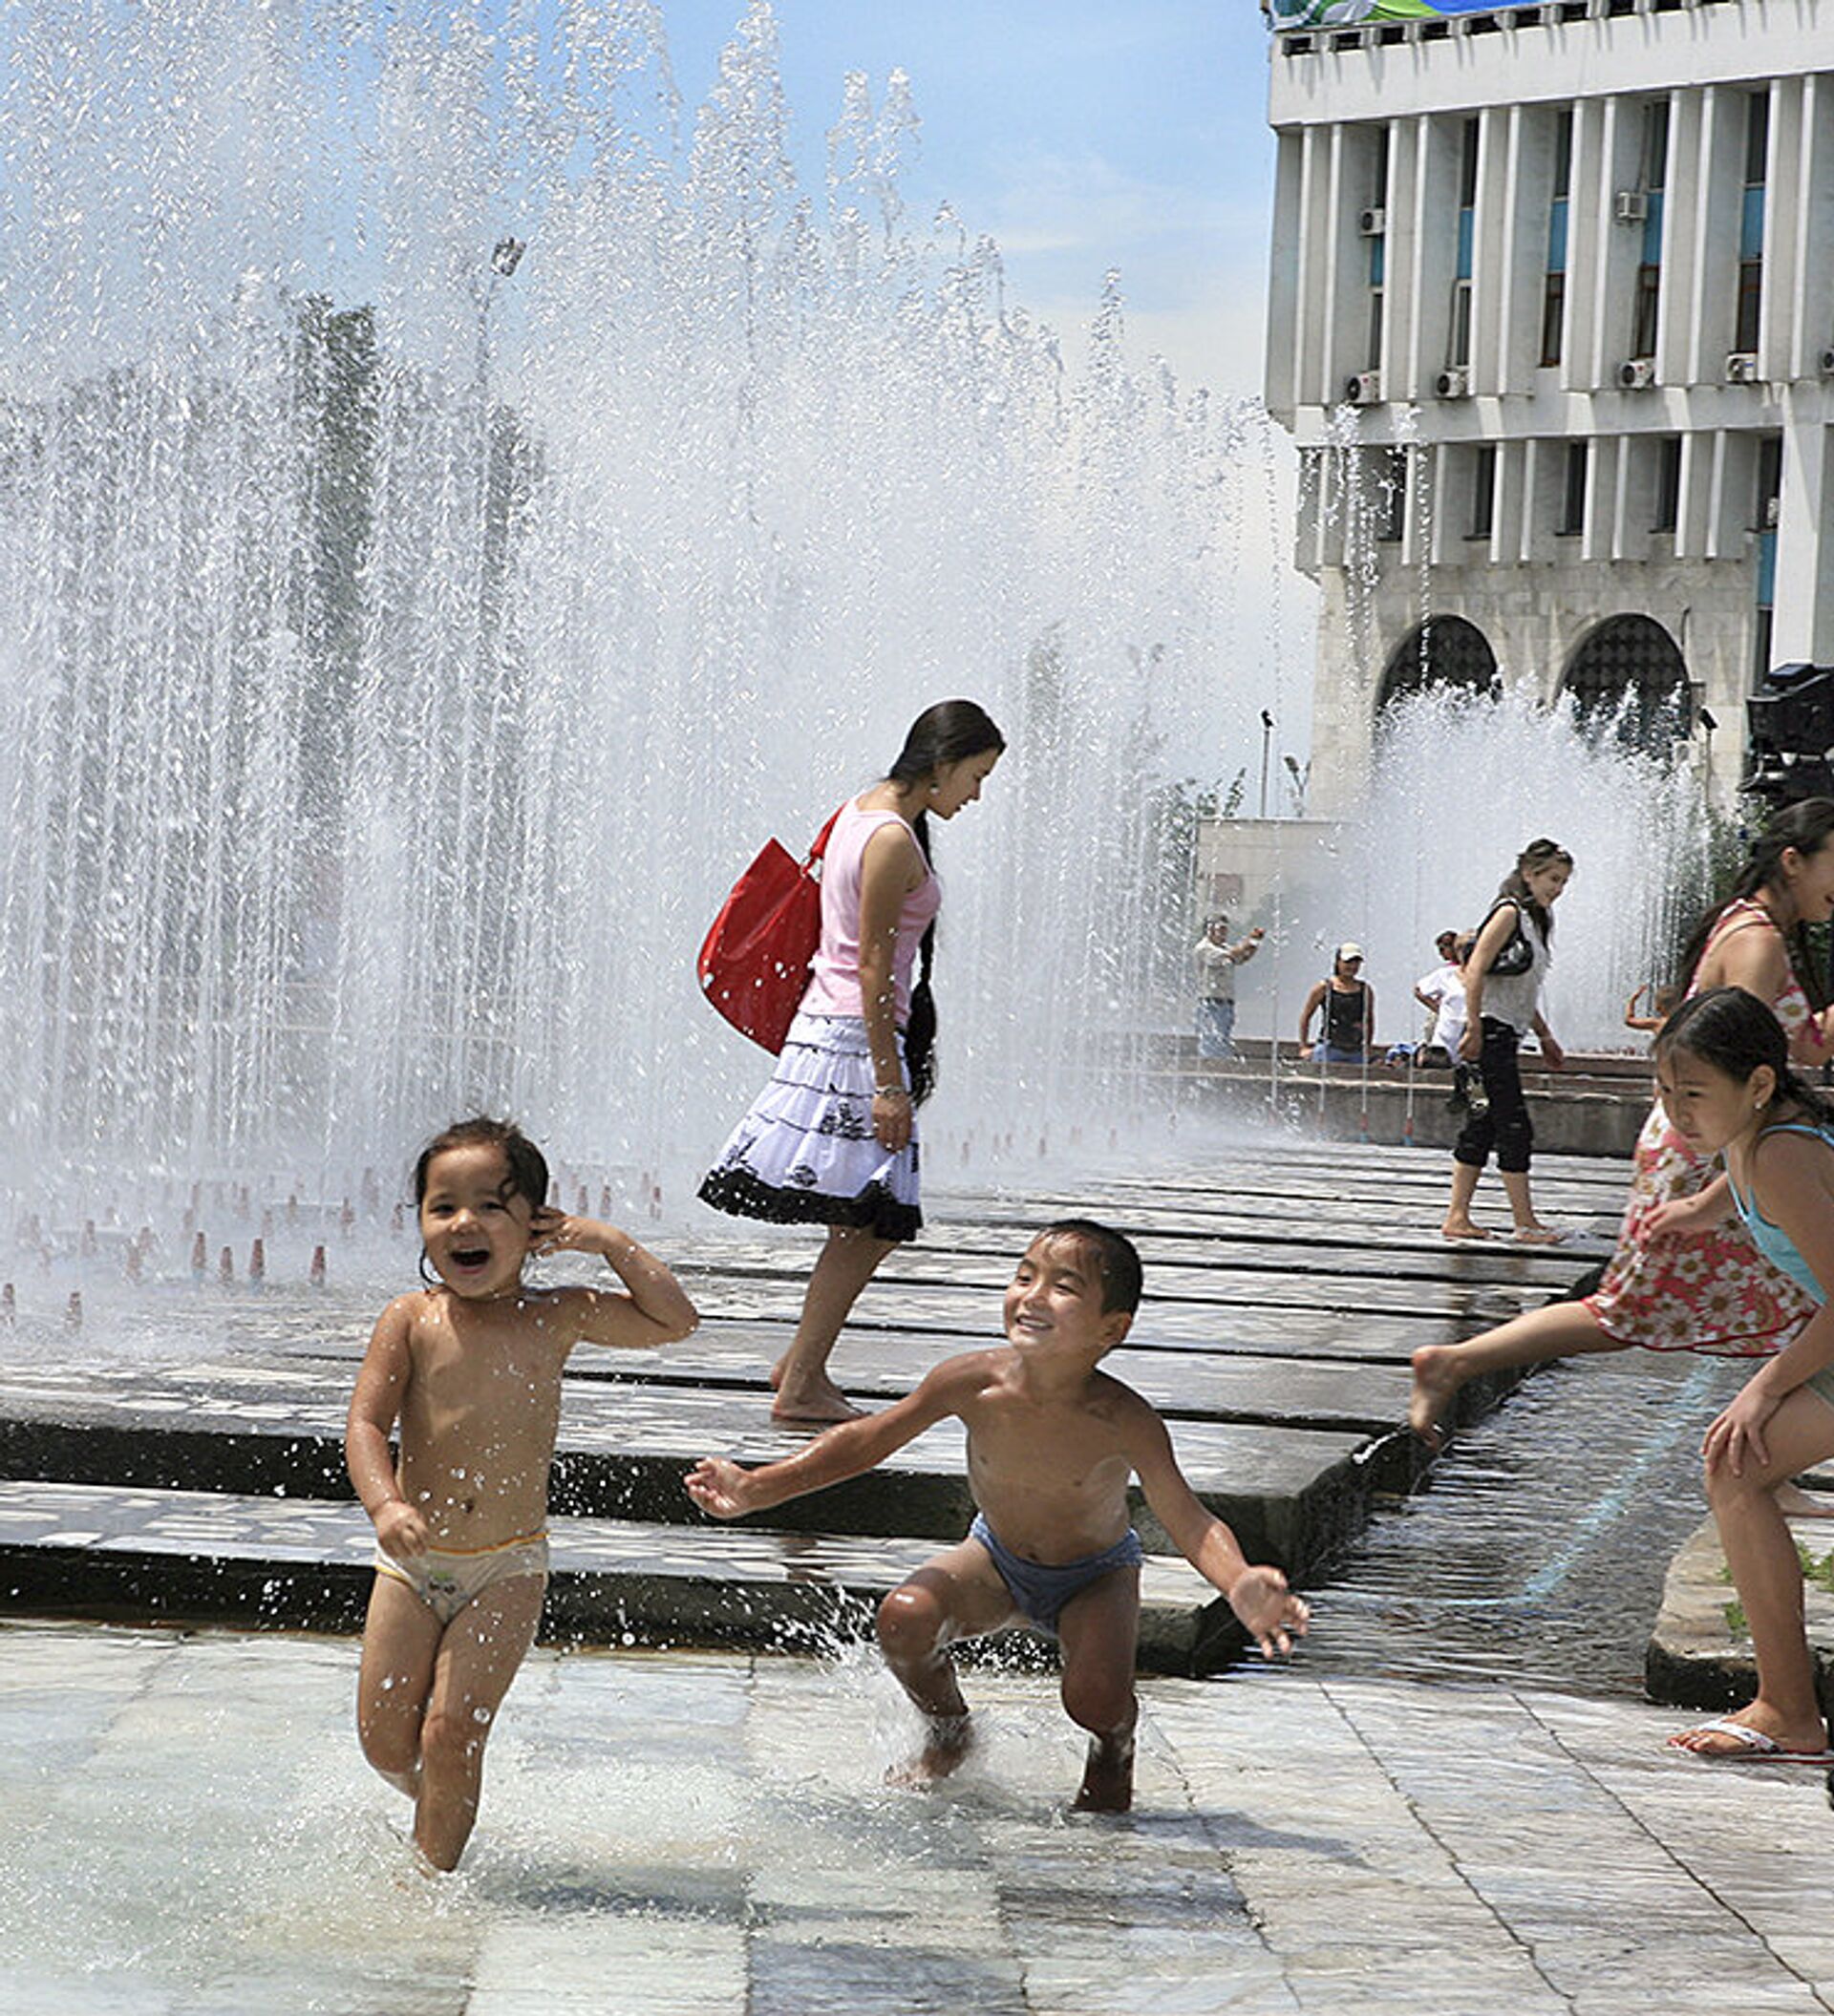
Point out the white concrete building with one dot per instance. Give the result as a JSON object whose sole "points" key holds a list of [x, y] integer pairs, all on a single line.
{"points": [[1552, 323]]}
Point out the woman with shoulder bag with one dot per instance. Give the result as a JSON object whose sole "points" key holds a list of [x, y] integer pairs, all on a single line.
{"points": [[1503, 1004], [832, 1139], [1681, 1280]]}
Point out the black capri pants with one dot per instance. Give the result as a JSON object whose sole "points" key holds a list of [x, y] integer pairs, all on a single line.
{"points": [[1503, 1124]]}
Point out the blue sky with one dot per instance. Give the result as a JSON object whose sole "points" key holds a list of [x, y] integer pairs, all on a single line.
{"points": [[1081, 133]]}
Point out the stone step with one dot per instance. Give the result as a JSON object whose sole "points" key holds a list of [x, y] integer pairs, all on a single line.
{"points": [[1699, 1654], [1292, 1494], [221, 1558]]}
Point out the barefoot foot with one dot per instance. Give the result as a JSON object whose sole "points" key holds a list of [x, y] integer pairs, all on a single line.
{"points": [[1108, 1775], [1435, 1386], [1539, 1235], [1464, 1228], [817, 1399], [947, 1741]]}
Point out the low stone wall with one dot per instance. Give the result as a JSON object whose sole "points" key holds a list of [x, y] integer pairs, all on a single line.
{"points": [[1597, 1106]]}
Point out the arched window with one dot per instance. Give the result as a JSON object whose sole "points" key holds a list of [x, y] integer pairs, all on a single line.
{"points": [[1627, 677], [1444, 650]]}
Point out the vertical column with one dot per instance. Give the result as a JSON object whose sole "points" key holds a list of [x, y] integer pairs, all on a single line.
{"points": [[1601, 497], [1507, 533], [1813, 220], [1620, 243], [1733, 495], [1782, 176], [1693, 511], [1312, 331], [1495, 181], [1680, 244], [1718, 199], [1405, 141], [1804, 589], [1633, 502], [1280, 377], [1521, 261], [1434, 257], [1589, 218]]}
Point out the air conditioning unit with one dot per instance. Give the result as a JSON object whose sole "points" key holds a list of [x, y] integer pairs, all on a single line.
{"points": [[1373, 221], [1364, 389], [1636, 375], [1630, 206], [1454, 382], [1741, 367], [1827, 363], [1773, 512]]}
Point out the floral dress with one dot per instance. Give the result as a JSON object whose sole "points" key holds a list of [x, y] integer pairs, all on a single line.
{"points": [[1705, 1291]]}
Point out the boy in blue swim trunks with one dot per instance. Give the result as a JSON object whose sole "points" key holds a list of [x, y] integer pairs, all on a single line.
{"points": [[1053, 1441]]}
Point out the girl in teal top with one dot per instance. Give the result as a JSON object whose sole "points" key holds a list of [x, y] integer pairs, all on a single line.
{"points": [[1722, 1063]]}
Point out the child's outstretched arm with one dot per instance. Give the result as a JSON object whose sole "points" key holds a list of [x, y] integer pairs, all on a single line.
{"points": [[381, 1380], [653, 1309], [1268, 1611], [725, 1491]]}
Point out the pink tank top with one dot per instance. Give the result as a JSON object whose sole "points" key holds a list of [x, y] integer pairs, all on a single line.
{"points": [[834, 979], [1745, 913]]}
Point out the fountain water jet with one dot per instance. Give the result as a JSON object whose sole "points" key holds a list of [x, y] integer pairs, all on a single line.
{"points": [[389, 690]]}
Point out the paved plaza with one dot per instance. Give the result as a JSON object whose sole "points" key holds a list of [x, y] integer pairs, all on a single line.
{"points": [[185, 1827]]}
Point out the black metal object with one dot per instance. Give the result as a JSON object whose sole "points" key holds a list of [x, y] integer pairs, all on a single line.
{"points": [[1790, 733]]}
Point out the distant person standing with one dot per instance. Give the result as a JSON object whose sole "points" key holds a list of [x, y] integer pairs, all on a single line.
{"points": [[1347, 1032], [1217, 960], [1434, 991]]}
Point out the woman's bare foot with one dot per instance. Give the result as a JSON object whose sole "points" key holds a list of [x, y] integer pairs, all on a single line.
{"points": [[807, 1397], [1539, 1235], [1795, 1503], [1108, 1776], [947, 1741], [1435, 1386], [812, 1400], [1464, 1228]]}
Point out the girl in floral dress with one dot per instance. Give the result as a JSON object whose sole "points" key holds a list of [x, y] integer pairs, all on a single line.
{"points": [[1703, 1290]]}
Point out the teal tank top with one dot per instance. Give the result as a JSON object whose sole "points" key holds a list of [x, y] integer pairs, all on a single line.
{"points": [[1772, 1241]]}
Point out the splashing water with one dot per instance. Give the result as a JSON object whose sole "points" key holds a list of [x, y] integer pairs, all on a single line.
{"points": [[400, 652]]}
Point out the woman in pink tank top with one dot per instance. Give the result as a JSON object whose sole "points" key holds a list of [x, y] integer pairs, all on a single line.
{"points": [[832, 1139], [1680, 1281]]}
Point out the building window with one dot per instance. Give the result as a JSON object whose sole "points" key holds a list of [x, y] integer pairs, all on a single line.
{"points": [[1628, 680], [1444, 650], [1668, 483], [1458, 346], [1391, 494], [1654, 178], [1553, 294], [1378, 250], [1750, 226], [1484, 491], [1770, 482], [1572, 496]]}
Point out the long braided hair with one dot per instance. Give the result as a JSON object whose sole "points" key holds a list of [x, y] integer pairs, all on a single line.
{"points": [[948, 732]]}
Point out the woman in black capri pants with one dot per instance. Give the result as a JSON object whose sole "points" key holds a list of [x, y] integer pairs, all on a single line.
{"points": [[1503, 995]]}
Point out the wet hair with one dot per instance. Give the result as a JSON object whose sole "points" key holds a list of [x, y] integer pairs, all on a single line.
{"points": [[1442, 937], [1219, 922], [1115, 1258], [948, 732], [1533, 858], [1807, 826], [1730, 1030], [526, 1164]]}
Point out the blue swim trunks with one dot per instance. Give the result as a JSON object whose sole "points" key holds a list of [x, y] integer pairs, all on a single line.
{"points": [[1041, 1589]]}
